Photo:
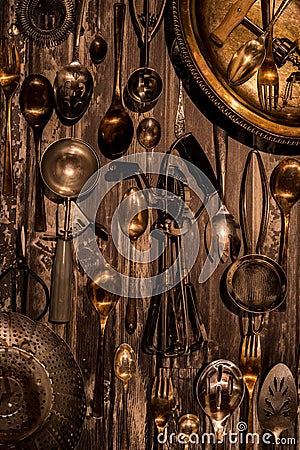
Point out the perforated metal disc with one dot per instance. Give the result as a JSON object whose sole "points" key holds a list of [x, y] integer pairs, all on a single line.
{"points": [[42, 401], [46, 23]]}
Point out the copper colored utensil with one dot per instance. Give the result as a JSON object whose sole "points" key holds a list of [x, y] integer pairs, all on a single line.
{"points": [[115, 131], [37, 103], [9, 80]]}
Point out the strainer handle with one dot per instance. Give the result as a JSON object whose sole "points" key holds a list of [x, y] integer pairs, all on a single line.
{"points": [[249, 245]]}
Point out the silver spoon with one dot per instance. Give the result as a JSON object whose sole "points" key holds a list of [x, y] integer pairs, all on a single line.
{"points": [[223, 225], [125, 368], [98, 47], [219, 391], [250, 56], [148, 133], [277, 401]]}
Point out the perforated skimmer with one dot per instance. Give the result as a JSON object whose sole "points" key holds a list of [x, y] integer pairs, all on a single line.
{"points": [[42, 401]]}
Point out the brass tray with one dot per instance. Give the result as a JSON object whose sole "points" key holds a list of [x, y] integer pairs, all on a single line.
{"points": [[204, 67]]}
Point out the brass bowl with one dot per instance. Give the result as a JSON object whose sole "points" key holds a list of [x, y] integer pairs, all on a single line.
{"points": [[203, 66]]}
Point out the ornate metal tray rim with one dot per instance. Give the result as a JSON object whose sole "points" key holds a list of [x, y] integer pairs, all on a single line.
{"points": [[225, 100]]}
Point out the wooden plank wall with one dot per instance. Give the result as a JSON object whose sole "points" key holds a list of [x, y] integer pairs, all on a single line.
{"points": [[280, 339]]}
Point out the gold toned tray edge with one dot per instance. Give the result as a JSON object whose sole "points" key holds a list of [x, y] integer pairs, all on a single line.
{"points": [[213, 89]]}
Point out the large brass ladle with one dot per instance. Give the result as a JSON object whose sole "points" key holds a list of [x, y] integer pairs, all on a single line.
{"points": [[115, 131], [285, 188], [104, 302], [250, 56], [37, 103], [125, 368], [133, 228]]}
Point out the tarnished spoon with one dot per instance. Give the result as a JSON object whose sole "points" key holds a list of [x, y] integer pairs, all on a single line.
{"points": [[277, 402], [98, 47], [223, 224], [104, 302], [125, 368], [148, 133], [133, 228], [188, 425], [37, 103], [285, 188], [219, 391], [115, 131], [250, 56]]}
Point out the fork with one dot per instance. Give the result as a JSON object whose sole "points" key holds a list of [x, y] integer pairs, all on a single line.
{"points": [[162, 402], [9, 80], [267, 77], [250, 364]]}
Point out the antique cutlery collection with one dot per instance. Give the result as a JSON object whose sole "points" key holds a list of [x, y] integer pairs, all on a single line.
{"points": [[255, 284]]}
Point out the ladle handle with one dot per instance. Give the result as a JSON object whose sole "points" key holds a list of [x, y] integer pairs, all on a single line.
{"points": [[80, 6], [221, 153], [233, 18], [249, 246], [125, 435], [8, 181], [61, 285], [40, 213], [119, 18]]}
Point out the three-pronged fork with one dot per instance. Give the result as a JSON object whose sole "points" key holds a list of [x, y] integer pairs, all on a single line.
{"points": [[250, 365]]}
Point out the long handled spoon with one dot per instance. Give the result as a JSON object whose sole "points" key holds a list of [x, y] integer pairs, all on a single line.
{"points": [[9, 80], [104, 302], [125, 368], [37, 103], [98, 48], [250, 56]]}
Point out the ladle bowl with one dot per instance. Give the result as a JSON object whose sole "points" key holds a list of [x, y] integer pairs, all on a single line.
{"points": [[145, 85]]}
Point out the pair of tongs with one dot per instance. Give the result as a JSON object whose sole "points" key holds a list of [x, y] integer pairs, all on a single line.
{"points": [[19, 265]]}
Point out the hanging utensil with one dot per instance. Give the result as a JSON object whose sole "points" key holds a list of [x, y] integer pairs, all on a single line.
{"points": [[285, 188], [277, 402], [73, 84], [223, 225], [161, 403], [188, 425], [115, 131], [42, 390], [37, 103], [255, 282], [9, 80], [144, 85], [20, 266], [103, 302], [98, 47], [148, 133], [133, 228], [67, 166], [125, 369], [219, 392], [46, 24], [249, 57]]}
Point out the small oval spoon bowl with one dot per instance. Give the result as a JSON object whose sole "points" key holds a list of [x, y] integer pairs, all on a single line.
{"points": [[148, 133], [188, 425]]}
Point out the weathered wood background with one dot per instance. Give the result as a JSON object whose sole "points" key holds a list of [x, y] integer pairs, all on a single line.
{"points": [[280, 339]]}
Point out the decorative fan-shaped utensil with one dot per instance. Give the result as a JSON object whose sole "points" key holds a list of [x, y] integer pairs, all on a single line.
{"points": [[46, 23]]}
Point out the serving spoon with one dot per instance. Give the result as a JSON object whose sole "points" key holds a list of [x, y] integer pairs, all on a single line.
{"points": [[125, 368], [250, 56], [36, 104], [115, 131], [103, 302]]}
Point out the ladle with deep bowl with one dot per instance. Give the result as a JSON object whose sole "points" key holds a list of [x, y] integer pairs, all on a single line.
{"points": [[69, 168], [249, 57]]}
